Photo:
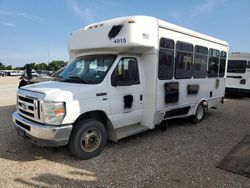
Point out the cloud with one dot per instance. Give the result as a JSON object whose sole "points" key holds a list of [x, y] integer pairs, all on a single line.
{"points": [[22, 14], [193, 14], [176, 16], [205, 7], [87, 14], [8, 24]]}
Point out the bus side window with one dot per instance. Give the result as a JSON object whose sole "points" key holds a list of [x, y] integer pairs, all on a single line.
{"points": [[223, 57], [200, 62], [166, 59], [183, 60], [213, 64]]}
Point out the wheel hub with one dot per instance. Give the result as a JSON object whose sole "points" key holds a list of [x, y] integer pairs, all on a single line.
{"points": [[90, 140]]}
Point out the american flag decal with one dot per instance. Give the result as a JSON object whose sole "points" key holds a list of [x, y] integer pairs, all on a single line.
{"points": [[145, 35]]}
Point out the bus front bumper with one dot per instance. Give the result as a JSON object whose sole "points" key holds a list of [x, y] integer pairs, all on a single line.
{"points": [[41, 134]]}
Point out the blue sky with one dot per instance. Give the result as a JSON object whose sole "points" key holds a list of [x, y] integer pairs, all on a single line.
{"points": [[38, 30]]}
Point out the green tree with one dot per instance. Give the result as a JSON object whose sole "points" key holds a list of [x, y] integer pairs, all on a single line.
{"points": [[8, 67], [55, 65], [33, 65], [18, 68], [1, 66], [41, 66]]}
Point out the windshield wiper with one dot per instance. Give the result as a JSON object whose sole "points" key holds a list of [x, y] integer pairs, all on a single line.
{"points": [[75, 79]]}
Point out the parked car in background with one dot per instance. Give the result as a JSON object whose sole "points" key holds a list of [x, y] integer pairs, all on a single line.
{"points": [[2, 73], [11, 72], [44, 72]]}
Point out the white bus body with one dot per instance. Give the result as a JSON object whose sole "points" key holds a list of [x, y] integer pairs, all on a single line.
{"points": [[132, 73], [238, 73]]}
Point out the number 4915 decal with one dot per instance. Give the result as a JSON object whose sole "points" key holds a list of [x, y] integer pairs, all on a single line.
{"points": [[120, 40]]}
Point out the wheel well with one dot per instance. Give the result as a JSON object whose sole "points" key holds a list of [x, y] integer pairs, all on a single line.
{"points": [[97, 115]]}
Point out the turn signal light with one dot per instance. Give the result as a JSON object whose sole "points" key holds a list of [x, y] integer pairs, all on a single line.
{"points": [[59, 111]]}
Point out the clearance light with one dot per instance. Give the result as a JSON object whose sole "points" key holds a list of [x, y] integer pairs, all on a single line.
{"points": [[95, 26], [131, 21]]}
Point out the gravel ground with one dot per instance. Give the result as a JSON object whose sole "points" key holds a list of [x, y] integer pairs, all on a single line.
{"points": [[185, 155]]}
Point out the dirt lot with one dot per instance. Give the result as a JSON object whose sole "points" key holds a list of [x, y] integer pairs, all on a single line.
{"points": [[185, 155]]}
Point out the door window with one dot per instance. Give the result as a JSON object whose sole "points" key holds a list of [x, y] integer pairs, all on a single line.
{"points": [[126, 72]]}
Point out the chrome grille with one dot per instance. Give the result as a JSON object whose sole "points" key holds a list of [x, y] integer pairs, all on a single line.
{"points": [[28, 107]]}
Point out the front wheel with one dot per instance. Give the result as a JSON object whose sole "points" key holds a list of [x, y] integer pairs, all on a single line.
{"points": [[199, 114], [88, 138]]}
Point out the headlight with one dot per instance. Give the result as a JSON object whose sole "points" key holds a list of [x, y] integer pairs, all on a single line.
{"points": [[53, 113]]}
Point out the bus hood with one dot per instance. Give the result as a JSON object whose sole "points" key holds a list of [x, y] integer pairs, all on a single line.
{"points": [[65, 91]]}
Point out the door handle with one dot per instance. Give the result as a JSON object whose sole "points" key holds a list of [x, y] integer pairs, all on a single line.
{"points": [[141, 97]]}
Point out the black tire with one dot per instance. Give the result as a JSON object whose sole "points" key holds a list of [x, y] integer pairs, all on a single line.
{"points": [[77, 143], [199, 114]]}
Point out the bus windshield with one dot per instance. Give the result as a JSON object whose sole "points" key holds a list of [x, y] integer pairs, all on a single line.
{"points": [[89, 69], [237, 66]]}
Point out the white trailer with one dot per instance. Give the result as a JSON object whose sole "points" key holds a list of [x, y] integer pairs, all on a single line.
{"points": [[126, 75], [238, 73]]}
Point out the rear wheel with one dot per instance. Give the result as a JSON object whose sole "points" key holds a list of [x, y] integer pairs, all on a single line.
{"points": [[199, 114], [88, 138]]}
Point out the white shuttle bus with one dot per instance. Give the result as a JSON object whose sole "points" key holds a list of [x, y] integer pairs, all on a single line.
{"points": [[126, 76], [238, 73]]}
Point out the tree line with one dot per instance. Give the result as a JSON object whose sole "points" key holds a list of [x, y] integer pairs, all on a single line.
{"points": [[52, 66]]}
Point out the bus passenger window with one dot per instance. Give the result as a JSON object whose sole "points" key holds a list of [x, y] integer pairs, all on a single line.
{"points": [[166, 59], [213, 64], [223, 57], [184, 60], [200, 62]]}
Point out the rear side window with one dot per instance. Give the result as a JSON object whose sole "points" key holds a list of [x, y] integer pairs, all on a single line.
{"points": [[213, 64], [166, 59], [184, 60], [200, 62], [223, 57]]}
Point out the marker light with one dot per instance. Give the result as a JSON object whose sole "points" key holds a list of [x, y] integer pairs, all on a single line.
{"points": [[131, 21]]}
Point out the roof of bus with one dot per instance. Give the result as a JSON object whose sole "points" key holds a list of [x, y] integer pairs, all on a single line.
{"points": [[173, 27], [166, 25]]}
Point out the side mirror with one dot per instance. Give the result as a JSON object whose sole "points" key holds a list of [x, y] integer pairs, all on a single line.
{"points": [[29, 71]]}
